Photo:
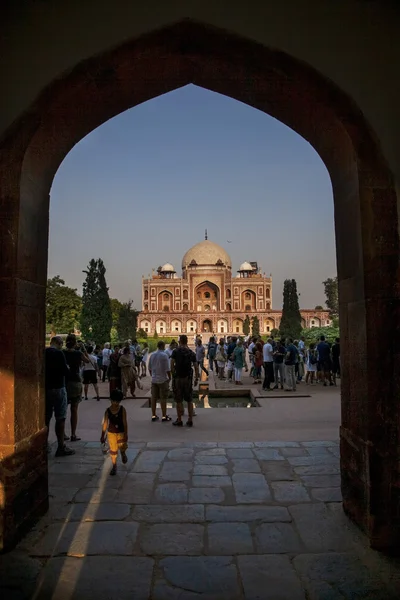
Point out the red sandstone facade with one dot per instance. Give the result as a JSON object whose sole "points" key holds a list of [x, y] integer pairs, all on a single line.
{"points": [[208, 298]]}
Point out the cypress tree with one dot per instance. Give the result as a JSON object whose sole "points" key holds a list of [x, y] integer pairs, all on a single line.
{"points": [[246, 325], [290, 325], [255, 326], [127, 322], [96, 319]]}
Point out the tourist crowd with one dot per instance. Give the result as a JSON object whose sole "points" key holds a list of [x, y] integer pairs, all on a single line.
{"points": [[71, 371]]}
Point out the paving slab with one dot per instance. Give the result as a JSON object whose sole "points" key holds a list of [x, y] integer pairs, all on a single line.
{"points": [[327, 494], [235, 445], [99, 577], [82, 539], [137, 488], [229, 538], [321, 530], [18, 575], [340, 573], [149, 461], [250, 488], [212, 470], [277, 444], [269, 578], [62, 494], [170, 539], [212, 577], [277, 471], [267, 514], [207, 495], [289, 492], [320, 481], [332, 469], [96, 495], [289, 452], [182, 513], [326, 444], [211, 481], [176, 471], [93, 512], [239, 453], [306, 461], [212, 452], [268, 454], [71, 480], [170, 493], [277, 538], [245, 465], [180, 454], [210, 460]]}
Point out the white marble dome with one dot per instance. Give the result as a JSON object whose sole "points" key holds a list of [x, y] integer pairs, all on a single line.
{"points": [[167, 268], [206, 253], [246, 266]]}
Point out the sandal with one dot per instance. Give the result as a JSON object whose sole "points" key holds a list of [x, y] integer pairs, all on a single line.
{"points": [[166, 418], [113, 470], [156, 418], [75, 438], [177, 423], [124, 458]]}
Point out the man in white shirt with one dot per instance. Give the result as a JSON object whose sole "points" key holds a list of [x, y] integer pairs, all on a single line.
{"points": [[160, 371], [268, 365], [251, 348], [106, 360]]}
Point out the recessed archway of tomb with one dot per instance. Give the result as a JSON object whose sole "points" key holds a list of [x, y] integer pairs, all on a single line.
{"points": [[207, 297], [366, 225]]}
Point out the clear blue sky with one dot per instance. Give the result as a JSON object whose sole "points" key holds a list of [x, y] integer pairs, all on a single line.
{"points": [[140, 190]]}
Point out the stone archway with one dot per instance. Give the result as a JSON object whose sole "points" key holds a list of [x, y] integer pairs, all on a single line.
{"points": [[367, 244], [207, 326]]}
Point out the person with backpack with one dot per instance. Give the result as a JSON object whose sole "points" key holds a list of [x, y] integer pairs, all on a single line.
{"points": [[312, 360], [290, 365], [220, 357]]}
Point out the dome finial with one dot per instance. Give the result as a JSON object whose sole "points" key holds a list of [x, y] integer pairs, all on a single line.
{"points": [[206, 237]]}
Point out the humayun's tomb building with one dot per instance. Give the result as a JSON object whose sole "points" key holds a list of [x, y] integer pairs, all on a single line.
{"points": [[208, 298]]}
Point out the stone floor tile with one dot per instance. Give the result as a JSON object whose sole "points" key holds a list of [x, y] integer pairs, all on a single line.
{"points": [[200, 444], [71, 480], [149, 461], [269, 578], [277, 538], [309, 461], [320, 451], [229, 538], [170, 539], [339, 573], [327, 494], [81, 539], [180, 454], [212, 470], [93, 512], [335, 450], [170, 493], [18, 575], [289, 492], [245, 465], [211, 481], [175, 471], [174, 513], [327, 444], [268, 454], [96, 495], [277, 471], [235, 444], [207, 495], [317, 470], [212, 452], [286, 452], [247, 513], [321, 530], [210, 460], [240, 453], [162, 445], [250, 488], [137, 488], [277, 444], [74, 468], [320, 481], [212, 577], [102, 478], [62, 494], [99, 577]]}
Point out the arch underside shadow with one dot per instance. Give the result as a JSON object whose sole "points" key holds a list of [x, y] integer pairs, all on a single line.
{"points": [[366, 225]]}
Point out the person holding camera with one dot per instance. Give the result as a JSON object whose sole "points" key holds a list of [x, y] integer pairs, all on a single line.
{"points": [[182, 362]]}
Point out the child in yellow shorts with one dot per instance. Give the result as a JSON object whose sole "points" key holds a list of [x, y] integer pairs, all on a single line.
{"points": [[116, 426]]}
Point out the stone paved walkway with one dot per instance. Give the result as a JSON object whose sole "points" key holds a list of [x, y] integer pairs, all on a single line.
{"points": [[215, 521]]}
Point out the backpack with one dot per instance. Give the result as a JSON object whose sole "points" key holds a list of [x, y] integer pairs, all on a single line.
{"points": [[313, 358]]}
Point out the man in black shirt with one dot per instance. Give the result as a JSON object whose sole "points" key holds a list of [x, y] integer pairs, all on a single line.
{"points": [[182, 361], [75, 354], [56, 394]]}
